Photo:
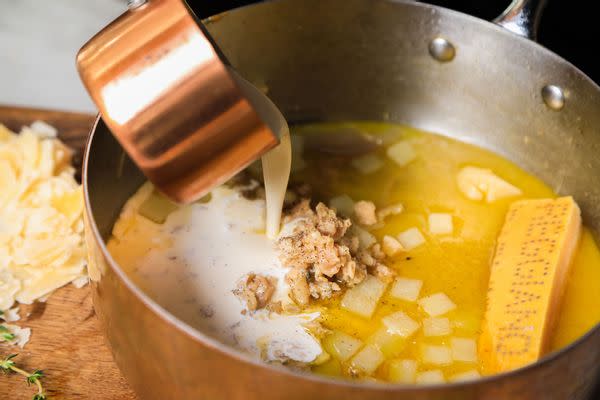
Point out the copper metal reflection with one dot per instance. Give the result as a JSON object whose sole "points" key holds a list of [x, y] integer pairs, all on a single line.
{"points": [[168, 98]]}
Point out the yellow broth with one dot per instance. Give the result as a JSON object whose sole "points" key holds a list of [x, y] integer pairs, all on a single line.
{"points": [[456, 264]]}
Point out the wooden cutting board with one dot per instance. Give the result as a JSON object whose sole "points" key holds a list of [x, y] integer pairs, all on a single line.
{"points": [[66, 342]]}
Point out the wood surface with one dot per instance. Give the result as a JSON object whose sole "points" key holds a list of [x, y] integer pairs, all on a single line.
{"points": [[66, 341]]}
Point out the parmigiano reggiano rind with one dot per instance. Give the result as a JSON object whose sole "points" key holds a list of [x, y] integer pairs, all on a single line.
{"points": [[527, 281]]}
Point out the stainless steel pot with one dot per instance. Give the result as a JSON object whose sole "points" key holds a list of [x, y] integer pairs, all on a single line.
{"points": [[412, 63]]}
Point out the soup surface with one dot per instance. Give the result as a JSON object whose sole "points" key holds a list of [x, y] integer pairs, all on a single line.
{"points": [[190, 259]]}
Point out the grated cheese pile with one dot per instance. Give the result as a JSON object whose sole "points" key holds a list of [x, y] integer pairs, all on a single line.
{"points": [[41, 204]]}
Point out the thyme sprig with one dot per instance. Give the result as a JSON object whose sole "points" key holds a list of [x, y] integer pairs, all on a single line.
{"points": [[8, 366], [6, 334]]}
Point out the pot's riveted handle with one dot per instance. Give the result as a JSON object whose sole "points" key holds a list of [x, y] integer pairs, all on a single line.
{"points": [[169, 99], [522, 17]]}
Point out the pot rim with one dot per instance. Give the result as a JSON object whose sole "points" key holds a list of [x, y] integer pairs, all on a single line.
{"points": [[207, 340]]}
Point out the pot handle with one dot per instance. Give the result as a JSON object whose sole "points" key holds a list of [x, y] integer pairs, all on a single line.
{"points": [[522, 17]]}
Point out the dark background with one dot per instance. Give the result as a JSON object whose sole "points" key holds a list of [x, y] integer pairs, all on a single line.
{"points": [[568, 27]]}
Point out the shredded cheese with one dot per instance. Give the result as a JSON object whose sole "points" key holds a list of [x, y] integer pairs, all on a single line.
{"points": [[41, 204]]}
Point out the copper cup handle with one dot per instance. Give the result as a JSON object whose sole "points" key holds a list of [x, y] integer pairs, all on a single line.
{"points": [[168, 98]]}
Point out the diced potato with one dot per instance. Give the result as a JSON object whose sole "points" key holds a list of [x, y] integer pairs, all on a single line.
{"points": [[321, 359], [391, 246], [438, 355], [343, 204], [329, 368], [402, 371], [440, 224], [367, 164], [406, 289], [157, 207], [365, 238], [477, 183], [465, 376], [437, 304], [402, 153], [390, 345], [411, 238], [399, 323], [363, 298], [368, 359], [466, 322], [436, 327], [430, 377], [387, 211], [464, 350], [341, 345]]}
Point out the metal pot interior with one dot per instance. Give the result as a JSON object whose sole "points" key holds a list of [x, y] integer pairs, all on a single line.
{"points": [[369, 60]]}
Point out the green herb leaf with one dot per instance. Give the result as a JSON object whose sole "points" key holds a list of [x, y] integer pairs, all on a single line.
{"points": [[39, 396], [7, 363], [34, 376], [3, 328], [8, 336]]}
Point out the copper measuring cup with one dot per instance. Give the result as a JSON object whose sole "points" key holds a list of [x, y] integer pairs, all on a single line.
{"points": [[172, 103]]}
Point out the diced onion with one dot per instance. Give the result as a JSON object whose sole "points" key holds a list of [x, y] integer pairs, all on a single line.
{"points": [[437, 304]]}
